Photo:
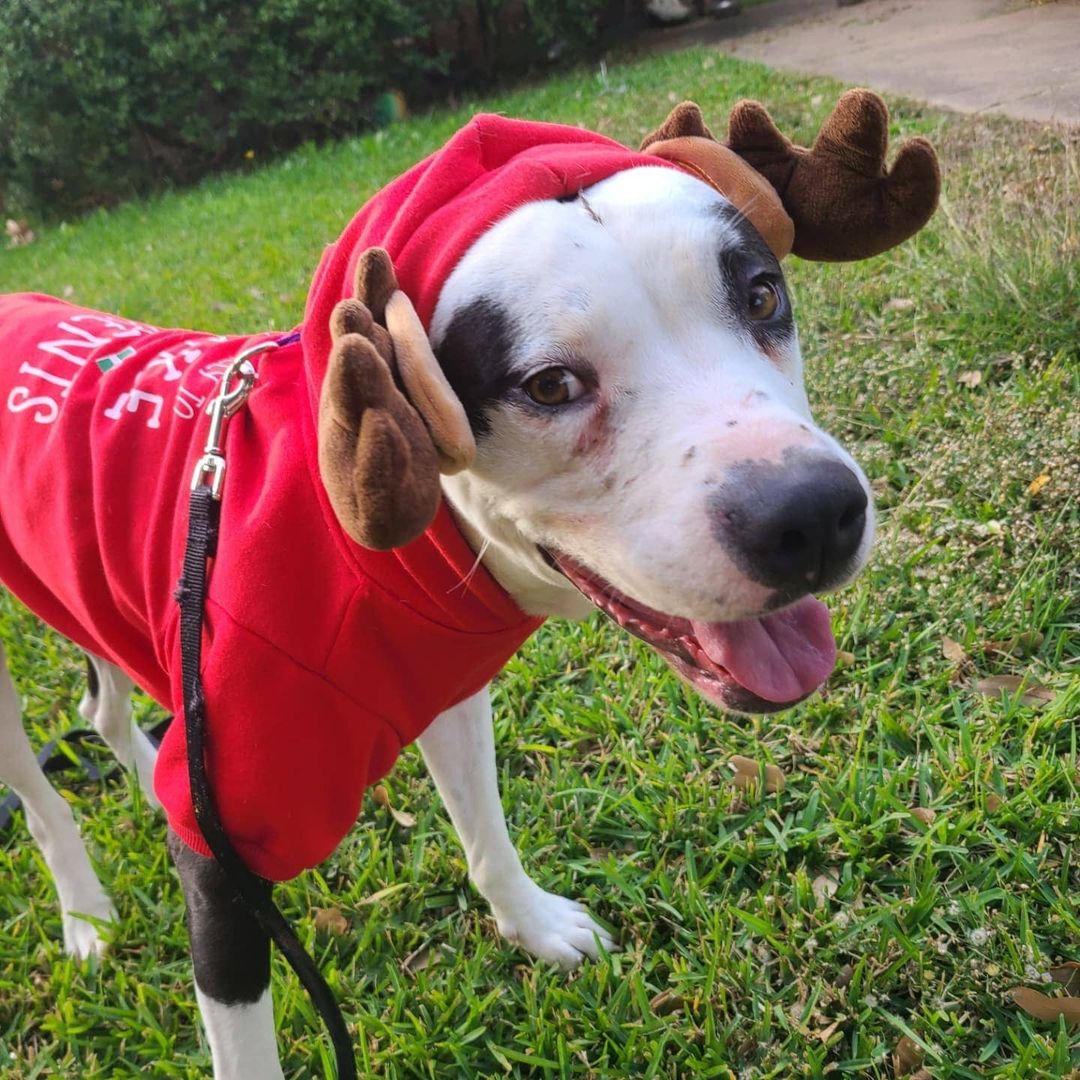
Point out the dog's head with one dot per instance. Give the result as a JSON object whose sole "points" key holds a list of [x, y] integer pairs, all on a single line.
{"points": [[629, 364], [619, 377]]}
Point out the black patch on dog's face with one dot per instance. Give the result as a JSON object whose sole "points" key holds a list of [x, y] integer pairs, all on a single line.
{"points": [[475, 355], [748, 261]]}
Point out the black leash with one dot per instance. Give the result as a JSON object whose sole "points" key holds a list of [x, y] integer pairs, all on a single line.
{"points": [[205, 510]]}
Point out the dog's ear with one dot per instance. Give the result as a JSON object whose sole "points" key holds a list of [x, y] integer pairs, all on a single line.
{"points": [[683, 138], [845, 203], [379, 457]]}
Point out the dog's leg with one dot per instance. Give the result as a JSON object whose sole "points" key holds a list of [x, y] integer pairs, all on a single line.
{"points": [[231, 956], [107, 706], [459, 748], [53, 827]]}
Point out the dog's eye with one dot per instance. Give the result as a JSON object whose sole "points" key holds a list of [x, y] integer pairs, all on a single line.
{"points": [[762, 300], [554, 386]]}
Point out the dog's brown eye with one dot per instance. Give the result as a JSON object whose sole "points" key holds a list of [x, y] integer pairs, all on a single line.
{"points": [[762, 300], [554, 386]]}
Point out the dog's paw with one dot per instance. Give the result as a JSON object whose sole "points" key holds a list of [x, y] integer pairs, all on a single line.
{"points": [[553, 928], [82, 937]]}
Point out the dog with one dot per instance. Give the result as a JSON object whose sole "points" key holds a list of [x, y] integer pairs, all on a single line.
{"points": [[621, 344]]}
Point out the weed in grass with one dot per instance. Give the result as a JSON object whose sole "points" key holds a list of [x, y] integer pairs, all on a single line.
{"points": [[797, 933]]}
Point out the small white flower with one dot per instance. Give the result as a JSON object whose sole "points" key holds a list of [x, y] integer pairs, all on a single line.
{"points": [[842, 920], [871, 1001], [953, 908], [979, 936]]}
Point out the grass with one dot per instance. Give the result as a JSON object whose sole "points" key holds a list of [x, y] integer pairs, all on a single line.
{"points": [[799, 934]]}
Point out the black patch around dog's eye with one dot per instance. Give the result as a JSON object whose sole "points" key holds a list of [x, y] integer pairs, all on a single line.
{"points": [[475, 355], [746, 263]]}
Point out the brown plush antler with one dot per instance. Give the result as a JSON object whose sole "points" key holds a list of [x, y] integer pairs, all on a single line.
{"points": [[844, 203], [379, 456]]}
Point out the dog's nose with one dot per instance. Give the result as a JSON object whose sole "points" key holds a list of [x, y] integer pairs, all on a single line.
{"points": [[794, 526]]}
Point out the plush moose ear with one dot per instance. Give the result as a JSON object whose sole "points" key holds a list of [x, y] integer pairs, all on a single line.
{"points": [[684, 139], [379, 456], [845, 203]]}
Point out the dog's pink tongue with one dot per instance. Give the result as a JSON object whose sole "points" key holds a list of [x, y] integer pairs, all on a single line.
{"points": [[781, 657]]}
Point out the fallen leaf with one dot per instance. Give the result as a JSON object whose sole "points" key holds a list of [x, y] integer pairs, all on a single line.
{"points": [[994, 803], [922, 1074], [1046, 1008], [970, 379], [900, 303], [1034, 694], [906, 1056], [824, 886], [844, 659], [748, 772], [1037, 485], [826, 1033], [667, 1002], [419, 959], [924, 814], [330, 920], [402, 817], [380, 795], [843, 980], [953, 650], [1067, 975], [1027, 641]]}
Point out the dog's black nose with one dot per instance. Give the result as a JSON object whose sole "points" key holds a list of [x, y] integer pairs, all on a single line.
{"points": [[793, 526]]}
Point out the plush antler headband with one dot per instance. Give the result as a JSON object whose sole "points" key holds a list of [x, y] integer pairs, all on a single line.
{"points": [[389, 422]]}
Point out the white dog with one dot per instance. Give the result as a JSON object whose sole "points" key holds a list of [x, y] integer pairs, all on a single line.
{"points": [[625, 353]]}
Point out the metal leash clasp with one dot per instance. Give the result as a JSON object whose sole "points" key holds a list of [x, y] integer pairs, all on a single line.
{"points": [[230, 398]]}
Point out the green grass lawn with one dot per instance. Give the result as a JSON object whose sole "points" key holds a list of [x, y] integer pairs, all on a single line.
{"points": [[788, 935]]}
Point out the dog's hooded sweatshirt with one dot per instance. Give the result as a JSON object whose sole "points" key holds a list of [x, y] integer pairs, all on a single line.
{"points": [[321, 659]]}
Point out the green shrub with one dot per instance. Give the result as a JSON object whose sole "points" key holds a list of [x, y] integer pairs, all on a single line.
{"points": [[103, 100]]}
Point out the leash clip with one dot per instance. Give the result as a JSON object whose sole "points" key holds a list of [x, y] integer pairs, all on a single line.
{"points": [[210, 468]]}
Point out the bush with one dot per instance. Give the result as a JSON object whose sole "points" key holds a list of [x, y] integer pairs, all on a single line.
{"points": [[100, 101]]}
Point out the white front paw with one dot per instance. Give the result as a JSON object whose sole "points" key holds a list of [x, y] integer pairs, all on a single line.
{"points": [[82, 939], [552, 928]]}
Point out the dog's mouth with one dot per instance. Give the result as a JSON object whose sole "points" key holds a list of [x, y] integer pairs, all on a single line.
{"points": [[753, 665]]}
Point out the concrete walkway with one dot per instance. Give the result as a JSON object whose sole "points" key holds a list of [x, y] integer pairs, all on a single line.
{"points": [[1009, 56]]}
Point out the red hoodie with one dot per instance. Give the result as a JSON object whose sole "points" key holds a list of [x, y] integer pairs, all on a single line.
{"points": [[321, 659]]}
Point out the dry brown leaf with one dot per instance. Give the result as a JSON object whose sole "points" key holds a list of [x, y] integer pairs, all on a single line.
{"points": [[900, 303], [922, 1074], [994, 803], [970, 379], [402, 817], [1067, 975], [826, 1033], [953, 650], [847, 973], [906, 1057], [824, 886], [419, 959], [844, 659], [1046, 1008], [924, 814], [380, 796], [330, 920], [1034, 694], [667, 1002], [1037, 485], [748, 772], [1027, 641]]}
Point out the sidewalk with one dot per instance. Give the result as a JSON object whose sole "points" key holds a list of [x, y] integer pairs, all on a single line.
{"points": [[1008, 56]]}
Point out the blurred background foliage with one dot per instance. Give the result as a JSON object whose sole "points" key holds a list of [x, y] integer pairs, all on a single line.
{"points": [[103, 101]]}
